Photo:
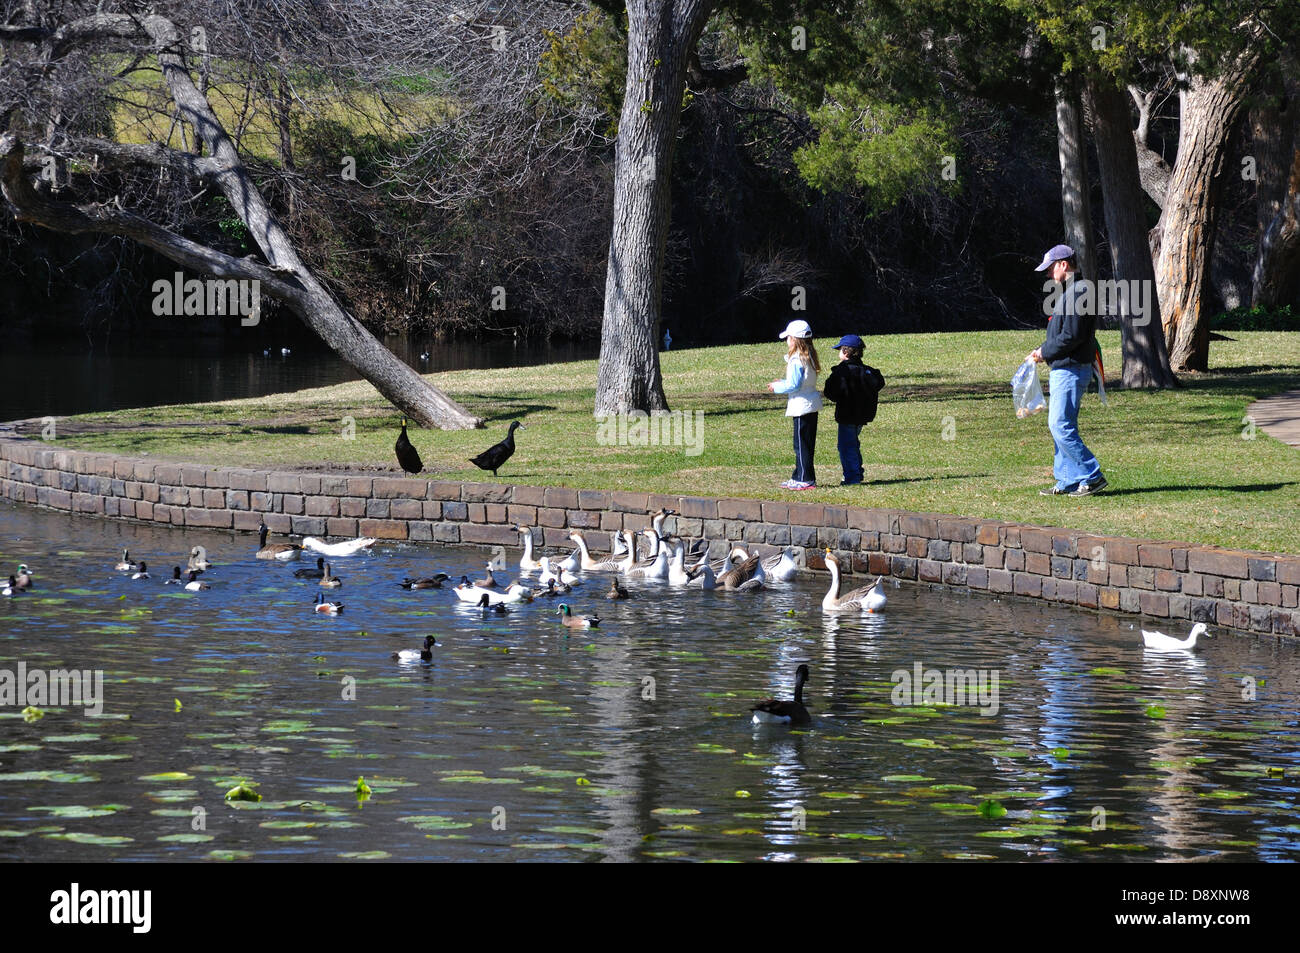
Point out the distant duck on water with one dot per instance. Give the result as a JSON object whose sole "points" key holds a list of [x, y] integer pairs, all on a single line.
{"points": [[326, 608], [429, 582], [127, 564], [406, 453], [142, 572], [495, 457], [576, 621], [416, 655], [317, 573]]}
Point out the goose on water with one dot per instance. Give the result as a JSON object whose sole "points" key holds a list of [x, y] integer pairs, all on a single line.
{"points": [[745, 577], [865, 599], [779, 566], [1159, 642], [198, 560], [586, 561], [407, 455], [416, 655], [275, 550], [348, 547], [526, 562], [495, 457], [773, 712]]}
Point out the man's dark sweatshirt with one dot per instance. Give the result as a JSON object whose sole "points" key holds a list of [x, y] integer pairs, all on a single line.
{"points": [[1071, 337], [854, 388]]}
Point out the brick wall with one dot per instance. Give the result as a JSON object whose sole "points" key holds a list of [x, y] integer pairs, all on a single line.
{"points": [[1243, 590]]}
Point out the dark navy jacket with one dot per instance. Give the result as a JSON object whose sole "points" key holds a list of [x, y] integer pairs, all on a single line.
{"points": [[1071, 337], [854, 387]]}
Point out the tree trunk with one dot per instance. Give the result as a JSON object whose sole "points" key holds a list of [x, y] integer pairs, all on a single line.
{"points": [[1076, 209], [1145, 361], [660, 38], [1209, 110], [1275, 131], [1276, 279]]}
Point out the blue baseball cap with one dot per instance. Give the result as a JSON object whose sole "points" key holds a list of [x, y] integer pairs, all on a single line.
{"points": [[849, 340], [1058, 253]]}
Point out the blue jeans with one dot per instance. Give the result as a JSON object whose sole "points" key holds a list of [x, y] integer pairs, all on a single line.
{"points": [[850, 453], [1074, 463]]}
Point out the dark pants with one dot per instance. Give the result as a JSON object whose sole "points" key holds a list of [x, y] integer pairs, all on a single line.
{"points": [[805, 443], [850, 453]]}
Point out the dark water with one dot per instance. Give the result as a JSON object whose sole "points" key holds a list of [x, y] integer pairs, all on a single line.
{"points": [[67, 377], [519, 743]]}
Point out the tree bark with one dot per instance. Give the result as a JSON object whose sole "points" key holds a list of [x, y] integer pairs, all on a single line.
{"points": [[286, 277], [1076, 209], [1276, 278], [1209, 108], [1145, 361], [661, 36], [1275, 129]]}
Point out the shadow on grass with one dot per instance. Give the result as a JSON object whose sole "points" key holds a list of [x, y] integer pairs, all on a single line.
{"points": [[923, 479], [515, 407], [1182, 488]]}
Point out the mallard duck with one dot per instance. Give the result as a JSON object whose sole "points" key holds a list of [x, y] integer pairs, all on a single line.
{"points": [[348, 547], [429, 582], [746, 577], [327, 608], [329, 580], [526, 562], [616, 591], [142, 572], [317, 573], [275, 550], [576, 621], [198, 560], [127, 564], [494, 457], [1159, 642], [487, 605], [865, 599], [773, 712], [11, 589], [24, 577], [593, 565], [406, 454], [194, 585], [416, 655]]}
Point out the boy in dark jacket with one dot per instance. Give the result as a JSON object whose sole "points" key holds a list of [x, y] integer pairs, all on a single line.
{"points": [[853, 387]]}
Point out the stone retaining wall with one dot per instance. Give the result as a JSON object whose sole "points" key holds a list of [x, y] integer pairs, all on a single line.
{"points": [[1243, 590]]}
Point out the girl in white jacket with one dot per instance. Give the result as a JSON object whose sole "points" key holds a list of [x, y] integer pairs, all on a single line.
{"points": [[802, 401]]}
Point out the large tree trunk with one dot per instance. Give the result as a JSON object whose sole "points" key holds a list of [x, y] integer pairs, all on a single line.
{"points": [[661, 35], [286, 277], [1076, 209], [1145, 361], [1276, 279], [1209, 110], [1275, 130]]}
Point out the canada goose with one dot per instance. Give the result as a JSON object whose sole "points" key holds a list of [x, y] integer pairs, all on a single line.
{"points": [[487, 605], [24, 578], [317, 573], [616, 591], [176, 579], [327, 608], [494, 457], [593, 565], [194, 585], [1159, 642], [526, 562], [349, 547], [329, 580], [275, 550], [429, 582], [773, 712], [406, 454], [416, 655], [143, 572], [576, 621], [127, 564], [862, 599], [745, 577], [198, 559], [11, 589]]}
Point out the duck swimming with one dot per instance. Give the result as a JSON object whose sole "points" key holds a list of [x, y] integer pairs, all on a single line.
{"points": [[194, 585], [317, 573], [773, 712], [329, 580], [326, 608], [865, 599], [127, 564], [143, 572], [1159, 642], [416, 655], [275, 550], [576, 621], [429, 582], [487, 605]]}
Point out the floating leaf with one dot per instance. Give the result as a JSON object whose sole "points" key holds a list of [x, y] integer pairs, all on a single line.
{"points": [[243, 791], [992, 809], [1155, 711], [31, 713]]}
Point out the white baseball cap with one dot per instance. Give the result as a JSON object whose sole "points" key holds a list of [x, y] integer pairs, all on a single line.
{"points": [[797, 329]]}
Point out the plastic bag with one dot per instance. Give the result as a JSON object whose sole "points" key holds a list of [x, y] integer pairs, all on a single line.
{"points": [[1026, 391]]}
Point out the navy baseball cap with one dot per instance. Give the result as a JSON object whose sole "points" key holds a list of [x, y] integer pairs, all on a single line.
{"points": [[1058, 253], [849, 340]]}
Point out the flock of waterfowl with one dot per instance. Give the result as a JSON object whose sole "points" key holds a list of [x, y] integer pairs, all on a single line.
{"points": [[665, 560]]}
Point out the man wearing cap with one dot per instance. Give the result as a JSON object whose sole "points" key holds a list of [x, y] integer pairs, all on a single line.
{"points": [[1069, 350], [853, 387]]}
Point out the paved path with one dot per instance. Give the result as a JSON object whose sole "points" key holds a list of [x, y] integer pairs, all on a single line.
{"points": [[1278, 416]]}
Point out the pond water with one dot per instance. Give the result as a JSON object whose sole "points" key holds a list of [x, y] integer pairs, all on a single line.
{"points": [[519, 742]]}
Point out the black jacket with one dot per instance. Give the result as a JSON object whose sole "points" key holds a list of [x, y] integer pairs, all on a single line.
{"points": [[854, 387], [1071, 336]]}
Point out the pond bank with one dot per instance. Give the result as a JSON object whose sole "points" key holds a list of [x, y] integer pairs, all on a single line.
{"points": [[1246, 590]]}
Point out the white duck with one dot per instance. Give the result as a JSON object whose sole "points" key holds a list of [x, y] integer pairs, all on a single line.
{"points": [[657, 569], [349, 547], [677, 574], [866, 599], [1159, 642], [526, 562]]}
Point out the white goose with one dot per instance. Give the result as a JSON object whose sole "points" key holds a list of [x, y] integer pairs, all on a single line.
{"points": [[703, 578], [658, 569], [677, 574], [1159, 642], [469, 593], [866, 599], [593, 565], [780, 566], [571, 562], [548, 575], [526, 562], [349, 547]]}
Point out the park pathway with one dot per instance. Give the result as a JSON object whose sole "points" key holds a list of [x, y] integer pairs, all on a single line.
{"points": [[1278, 416]]}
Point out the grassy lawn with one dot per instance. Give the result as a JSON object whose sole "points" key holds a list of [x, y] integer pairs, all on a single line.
{"points": [[1177, 462]]}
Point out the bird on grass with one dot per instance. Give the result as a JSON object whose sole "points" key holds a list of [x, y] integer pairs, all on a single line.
{"points": [[317, 573], [406, 454], [414, 655], [326, 608], [576, 621], [1159, 642], [773, 712], [275, 550], [494, 457]]}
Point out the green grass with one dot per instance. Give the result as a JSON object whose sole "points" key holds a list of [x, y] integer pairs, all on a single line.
{"points": [[1177, 462]]}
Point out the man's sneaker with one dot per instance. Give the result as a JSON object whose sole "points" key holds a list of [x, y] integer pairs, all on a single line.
{"points": [[1088, 489], [804, 486], [1058, 490], [788, 485]]}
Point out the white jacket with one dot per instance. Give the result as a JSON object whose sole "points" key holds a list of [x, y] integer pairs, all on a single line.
{"points": [[800, 385]]}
